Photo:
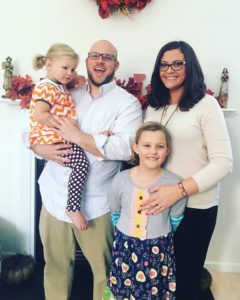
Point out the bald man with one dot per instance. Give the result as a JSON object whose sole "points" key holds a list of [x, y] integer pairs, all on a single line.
{"points": [[101, 106]]}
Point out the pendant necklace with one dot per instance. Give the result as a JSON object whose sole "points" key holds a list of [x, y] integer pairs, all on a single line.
{"points": [[164, 112]]}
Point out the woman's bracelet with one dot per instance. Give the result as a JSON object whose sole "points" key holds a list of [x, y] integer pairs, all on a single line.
{"points": [[182, 188]]}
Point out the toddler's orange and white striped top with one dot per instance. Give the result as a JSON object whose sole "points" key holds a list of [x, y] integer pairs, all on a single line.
{"points": [[61, 104]]}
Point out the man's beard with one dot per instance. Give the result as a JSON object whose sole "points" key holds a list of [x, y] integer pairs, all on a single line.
{"points": [[108, 79]]}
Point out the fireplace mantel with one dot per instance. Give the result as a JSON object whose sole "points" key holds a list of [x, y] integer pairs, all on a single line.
{"points": [[17, 177]]}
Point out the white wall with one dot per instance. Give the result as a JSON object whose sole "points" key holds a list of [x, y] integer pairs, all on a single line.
{"points": [[28, 27]]}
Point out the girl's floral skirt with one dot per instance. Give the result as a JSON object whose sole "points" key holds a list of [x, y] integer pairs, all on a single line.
{"points": [[142, 270]]}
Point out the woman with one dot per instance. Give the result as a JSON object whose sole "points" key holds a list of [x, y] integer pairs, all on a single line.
{"points": [[201, 156]]}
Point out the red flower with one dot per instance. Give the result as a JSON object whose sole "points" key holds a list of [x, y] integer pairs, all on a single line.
{"points": [[210, 92], [130, 2], [24, 101], [135, 89], [103, 13], [114, 2], [104, 5], [22, 88]]}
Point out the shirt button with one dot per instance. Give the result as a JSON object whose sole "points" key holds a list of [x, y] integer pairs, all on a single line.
{"points": [[138, 226], [140, 197], [139, 211]]}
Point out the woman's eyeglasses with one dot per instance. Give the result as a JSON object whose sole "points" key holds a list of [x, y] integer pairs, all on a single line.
{"points": [[176, 65], [105, 56]]}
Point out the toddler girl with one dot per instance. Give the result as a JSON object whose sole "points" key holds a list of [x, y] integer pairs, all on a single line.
{"points": [[50, 97]]}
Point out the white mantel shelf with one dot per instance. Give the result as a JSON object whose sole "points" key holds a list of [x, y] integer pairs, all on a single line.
{"points": [[229, 109], [9, 101]]}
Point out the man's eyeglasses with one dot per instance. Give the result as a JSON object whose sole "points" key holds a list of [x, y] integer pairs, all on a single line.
{"points": [[176, 65], [105, 56]]}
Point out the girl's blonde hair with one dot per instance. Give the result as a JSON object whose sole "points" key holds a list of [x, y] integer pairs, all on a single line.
{"points": [[149, 126], [54, 52]]}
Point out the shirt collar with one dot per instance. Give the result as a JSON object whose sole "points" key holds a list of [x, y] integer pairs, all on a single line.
{"points": [[104, 89], [57, 85]]}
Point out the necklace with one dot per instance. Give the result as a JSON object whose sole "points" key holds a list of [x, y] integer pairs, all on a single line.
{"points": [[164, 112]]}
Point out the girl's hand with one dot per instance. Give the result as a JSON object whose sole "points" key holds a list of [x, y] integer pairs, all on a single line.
{"points": [[54, 152], [78, 81], [107, 132], [67, 129], [161, 198]]}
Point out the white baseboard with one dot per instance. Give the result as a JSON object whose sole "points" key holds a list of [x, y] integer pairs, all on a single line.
{"points": [[223, 267]]}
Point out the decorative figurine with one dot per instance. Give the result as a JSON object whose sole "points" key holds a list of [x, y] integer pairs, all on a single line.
{"points": [[7, 76], [223, 92]]}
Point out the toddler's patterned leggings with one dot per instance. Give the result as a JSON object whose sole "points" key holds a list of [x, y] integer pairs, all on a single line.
{"points": [[79, 165]]}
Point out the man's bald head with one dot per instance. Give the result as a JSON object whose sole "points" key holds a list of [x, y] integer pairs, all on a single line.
{"points": [[104, 46]]}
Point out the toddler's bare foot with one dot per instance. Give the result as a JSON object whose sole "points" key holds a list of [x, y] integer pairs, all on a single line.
{"points": [[78, 219]]}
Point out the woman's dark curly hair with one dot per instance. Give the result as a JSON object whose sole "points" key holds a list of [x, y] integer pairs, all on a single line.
{"points": [[194, 86]]}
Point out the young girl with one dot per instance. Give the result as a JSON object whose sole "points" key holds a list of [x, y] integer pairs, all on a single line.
{"points": [[143, 264], [51, 97]]}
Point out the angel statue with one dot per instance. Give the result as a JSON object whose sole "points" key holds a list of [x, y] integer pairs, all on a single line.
{"points": [[7, 76], [223, 92]]}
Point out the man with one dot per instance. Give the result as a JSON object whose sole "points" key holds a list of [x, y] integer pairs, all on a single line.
{"points": [[101, 106]]}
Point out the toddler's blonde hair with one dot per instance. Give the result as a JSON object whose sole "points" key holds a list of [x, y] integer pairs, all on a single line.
{"points": [[54, 52]]}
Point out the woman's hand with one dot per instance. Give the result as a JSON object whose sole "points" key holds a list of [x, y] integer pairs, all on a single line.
{"points": [[67, 129], [161, 198], [54, 152]]}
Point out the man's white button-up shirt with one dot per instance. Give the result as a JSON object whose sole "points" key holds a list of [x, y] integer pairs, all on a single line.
{"points": [[114, 110]]}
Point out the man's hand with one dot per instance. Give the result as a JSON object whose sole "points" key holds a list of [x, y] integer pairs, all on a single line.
{"points": [[71, 133], [67, 129], [54, 152]]}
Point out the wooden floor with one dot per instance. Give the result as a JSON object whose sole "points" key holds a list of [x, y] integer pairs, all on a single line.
{"points": [[226, 286]]}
